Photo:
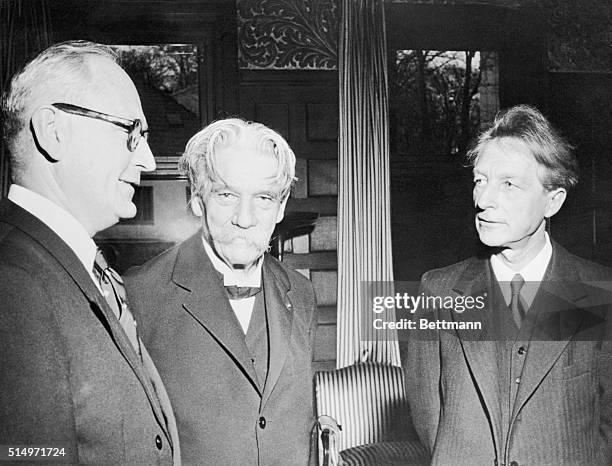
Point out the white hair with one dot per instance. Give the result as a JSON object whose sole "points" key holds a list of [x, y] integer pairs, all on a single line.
{"points": [[60, 72], [199, 158]]}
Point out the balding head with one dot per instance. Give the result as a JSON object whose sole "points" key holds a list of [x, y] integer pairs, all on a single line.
{"points": [[60, 73], [75, 126]]}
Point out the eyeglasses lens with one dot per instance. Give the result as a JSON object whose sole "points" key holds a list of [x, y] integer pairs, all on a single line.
{"points": [[135, 135]]}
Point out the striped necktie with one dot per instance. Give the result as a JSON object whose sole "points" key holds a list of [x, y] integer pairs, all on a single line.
{"points": [[113, 290]]}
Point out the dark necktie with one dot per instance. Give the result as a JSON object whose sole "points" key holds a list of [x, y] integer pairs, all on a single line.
{"points": [[516, 305], [113, 290], [241, 292]]}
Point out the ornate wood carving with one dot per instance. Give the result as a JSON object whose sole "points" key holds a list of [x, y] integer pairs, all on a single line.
{"points": [[288, 34]]}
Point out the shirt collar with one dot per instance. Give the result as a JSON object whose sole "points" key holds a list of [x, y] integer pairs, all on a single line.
{"points": [[532, 273], [230, 277], [60, 221]]}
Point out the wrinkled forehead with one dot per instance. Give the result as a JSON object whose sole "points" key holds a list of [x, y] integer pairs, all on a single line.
{"points": [[244, 156], [509, 156], [243, 165], [510, 152], [271, 185]]}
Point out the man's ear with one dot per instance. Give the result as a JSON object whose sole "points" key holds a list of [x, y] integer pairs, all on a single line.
{"points": [[556, 198], [281, 209], [197, 206], [48, 131]]}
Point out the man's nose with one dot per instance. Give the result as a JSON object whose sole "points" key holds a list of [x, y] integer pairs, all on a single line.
{"points": [[143, 157], [244, 215], [485, 196]]}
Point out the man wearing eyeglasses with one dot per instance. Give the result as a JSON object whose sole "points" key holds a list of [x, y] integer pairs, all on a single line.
{"points": [[75, 377]]}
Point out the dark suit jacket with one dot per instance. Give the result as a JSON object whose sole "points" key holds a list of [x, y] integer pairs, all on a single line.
{"points": [[193, 335], [69, 377], [562, 414]]}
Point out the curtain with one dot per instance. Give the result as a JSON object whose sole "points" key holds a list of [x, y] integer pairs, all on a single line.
{"points": [[25, 30], [364, 229]]}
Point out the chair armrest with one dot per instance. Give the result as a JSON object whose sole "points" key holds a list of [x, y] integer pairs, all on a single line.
{"points": [[329, 430]]}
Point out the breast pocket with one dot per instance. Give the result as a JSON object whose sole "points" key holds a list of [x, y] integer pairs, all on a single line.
{"points": [[579, 359]]}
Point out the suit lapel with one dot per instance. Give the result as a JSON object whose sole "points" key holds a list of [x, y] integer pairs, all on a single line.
{"points": [[558, 305], [480, 351], [207, 301], [279, 311], [61, 252]]}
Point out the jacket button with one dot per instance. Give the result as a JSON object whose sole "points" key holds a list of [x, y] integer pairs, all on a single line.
{"points": [[158, 442], [514, 463], [262, 422], [522, 350]]}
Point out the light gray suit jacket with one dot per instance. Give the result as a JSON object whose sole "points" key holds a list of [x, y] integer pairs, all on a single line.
{"points": [[562, 414]]}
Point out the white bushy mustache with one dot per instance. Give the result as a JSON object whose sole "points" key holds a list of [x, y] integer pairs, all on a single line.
{"points": [[257, 241]]}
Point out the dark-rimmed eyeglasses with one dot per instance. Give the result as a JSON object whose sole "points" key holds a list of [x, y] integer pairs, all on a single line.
{"points": [[133, 127]]}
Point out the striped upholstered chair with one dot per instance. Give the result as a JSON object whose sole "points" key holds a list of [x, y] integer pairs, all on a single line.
{"points": [[369, 404]]}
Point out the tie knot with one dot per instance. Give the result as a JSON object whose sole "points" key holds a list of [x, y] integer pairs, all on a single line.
{"points": [[516, 284], [100, 263], [241, 292], [104, 271]]}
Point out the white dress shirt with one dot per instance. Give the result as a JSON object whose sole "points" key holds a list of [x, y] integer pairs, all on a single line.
{"points": [[61, 222], [243, 308], [532, 273]]}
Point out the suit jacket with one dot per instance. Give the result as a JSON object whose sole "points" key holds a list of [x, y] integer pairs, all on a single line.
{"points": [[69, 376], [562, 410], [195, 339]]}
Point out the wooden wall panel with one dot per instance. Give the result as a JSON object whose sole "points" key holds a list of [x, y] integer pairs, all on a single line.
{"points": [[299, 189], [276, 116], [303, 106], [323, 179], [321, 122], [300, 91], [325, 235]]}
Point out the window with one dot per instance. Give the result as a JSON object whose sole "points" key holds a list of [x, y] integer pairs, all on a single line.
{"points": [[166, 77], [436, 100]]}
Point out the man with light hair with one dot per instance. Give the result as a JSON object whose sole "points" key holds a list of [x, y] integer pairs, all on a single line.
{"points": [[74, 376], [231, 328], [535, 386]]}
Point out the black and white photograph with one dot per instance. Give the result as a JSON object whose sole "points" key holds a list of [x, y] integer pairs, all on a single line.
{"points": [[306, 232]]}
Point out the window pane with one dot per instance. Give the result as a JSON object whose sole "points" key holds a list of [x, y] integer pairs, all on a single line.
{"points": [[435, 101], [166, 77]]}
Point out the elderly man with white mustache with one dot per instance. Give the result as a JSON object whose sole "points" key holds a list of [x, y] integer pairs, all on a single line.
{"points": [[229, 327]]}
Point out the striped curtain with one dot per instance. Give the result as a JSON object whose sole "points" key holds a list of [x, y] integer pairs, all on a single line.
{"points": [[364, 230], [25, 29]]}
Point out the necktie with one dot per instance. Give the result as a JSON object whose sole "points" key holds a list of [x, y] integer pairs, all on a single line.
{"points": [[241, 292], [113, 290], [518, 311]]}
